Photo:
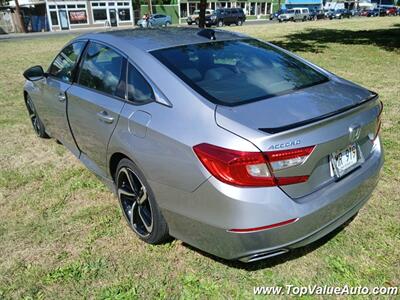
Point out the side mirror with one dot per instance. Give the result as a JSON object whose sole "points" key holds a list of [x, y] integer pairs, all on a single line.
{"points": [[34, 73]]}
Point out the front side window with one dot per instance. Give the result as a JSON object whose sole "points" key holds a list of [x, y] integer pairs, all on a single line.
{"points": [[236, 72], [64, 64], [139, 90], [101, 69]]}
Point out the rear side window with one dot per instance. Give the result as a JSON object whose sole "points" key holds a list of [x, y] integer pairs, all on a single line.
{"points": [[236, 72], [64, 64], [101, 69], [139, 90]]}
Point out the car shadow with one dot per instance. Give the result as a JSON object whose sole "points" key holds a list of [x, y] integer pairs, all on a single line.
{"points": [[316, 39], [276, 260]]}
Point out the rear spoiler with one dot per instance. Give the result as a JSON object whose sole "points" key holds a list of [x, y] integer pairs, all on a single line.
{"points": [[273, 130]]}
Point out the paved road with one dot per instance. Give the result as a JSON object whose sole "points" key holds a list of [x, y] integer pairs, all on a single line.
{"points": [[32, 35]]}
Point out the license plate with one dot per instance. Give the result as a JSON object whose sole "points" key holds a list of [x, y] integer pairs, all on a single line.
{"points": [[343, 161]]}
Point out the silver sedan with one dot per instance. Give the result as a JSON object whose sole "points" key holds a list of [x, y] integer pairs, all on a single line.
{"points": [[233, 145]]}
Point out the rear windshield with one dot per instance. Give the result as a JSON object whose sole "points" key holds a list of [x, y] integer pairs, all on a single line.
{"points": [[236, 72]]}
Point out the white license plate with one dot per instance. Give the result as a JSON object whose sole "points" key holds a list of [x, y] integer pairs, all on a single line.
{"points": [[343, 161]]}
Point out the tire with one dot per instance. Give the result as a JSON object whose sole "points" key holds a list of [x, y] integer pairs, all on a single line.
{"points": [[189, 23], [168, 23], [37, 124], [220, 23], [138, 204], [197, 21], [239, 23]]}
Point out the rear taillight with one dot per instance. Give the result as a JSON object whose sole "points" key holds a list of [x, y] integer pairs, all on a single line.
{"points": [[288, 158], [251, 169]]}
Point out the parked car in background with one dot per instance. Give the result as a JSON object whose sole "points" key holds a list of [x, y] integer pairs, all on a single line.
{"points": [[376, 12], [295, 14], [266, 152], [339, 14], [226, 16], [194, 18], [364, 13], [316, 14], [354, 12], [275, 15], [156, 20], [391, 11]]}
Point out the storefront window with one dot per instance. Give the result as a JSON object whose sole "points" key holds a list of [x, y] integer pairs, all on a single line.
{"points": [[183, 10], [192, 8], [124, 14], [99, 15], [53, 17], [77, 17]]}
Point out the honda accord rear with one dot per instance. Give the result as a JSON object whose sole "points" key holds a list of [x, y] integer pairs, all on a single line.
{"points": [[315, 151], [233, 145]]}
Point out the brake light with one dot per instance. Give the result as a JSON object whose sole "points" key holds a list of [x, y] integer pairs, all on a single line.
{"points": [[251, 169], [288, 158]]}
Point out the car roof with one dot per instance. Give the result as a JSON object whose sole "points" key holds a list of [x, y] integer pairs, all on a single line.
{"points": [[148, 39]]}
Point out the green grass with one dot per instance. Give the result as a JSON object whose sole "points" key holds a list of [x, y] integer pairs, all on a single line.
{"points": [[62, 235]]}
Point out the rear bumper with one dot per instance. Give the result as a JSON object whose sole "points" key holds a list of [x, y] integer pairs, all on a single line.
{"points": [[206, 216]]}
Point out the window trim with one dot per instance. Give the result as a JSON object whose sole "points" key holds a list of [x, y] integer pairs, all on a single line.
{"points": [[159, 96]]}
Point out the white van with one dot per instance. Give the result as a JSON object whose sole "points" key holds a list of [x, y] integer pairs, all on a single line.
{"points": [[295, 14]]}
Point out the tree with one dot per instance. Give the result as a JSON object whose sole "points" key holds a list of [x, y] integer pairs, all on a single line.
{"points": [[202, 14], [20, 20], [150, 5]]}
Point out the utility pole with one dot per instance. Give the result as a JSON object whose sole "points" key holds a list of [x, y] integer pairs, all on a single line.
{"points": [[202, 15], [20, 20], [150, 5], [379, 12]]}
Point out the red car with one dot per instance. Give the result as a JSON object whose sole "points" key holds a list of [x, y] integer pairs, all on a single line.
{"points": [[392, 11], [364, 13]]}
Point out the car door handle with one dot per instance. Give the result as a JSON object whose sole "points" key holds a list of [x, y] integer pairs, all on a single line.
{"points": [[62, 97], [103, 116]]}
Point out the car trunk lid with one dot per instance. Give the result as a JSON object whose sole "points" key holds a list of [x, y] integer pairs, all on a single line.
{"points": [[319, 116]]}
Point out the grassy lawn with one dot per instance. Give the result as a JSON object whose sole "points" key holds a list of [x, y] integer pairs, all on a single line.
{"points": [[62, 234]]}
